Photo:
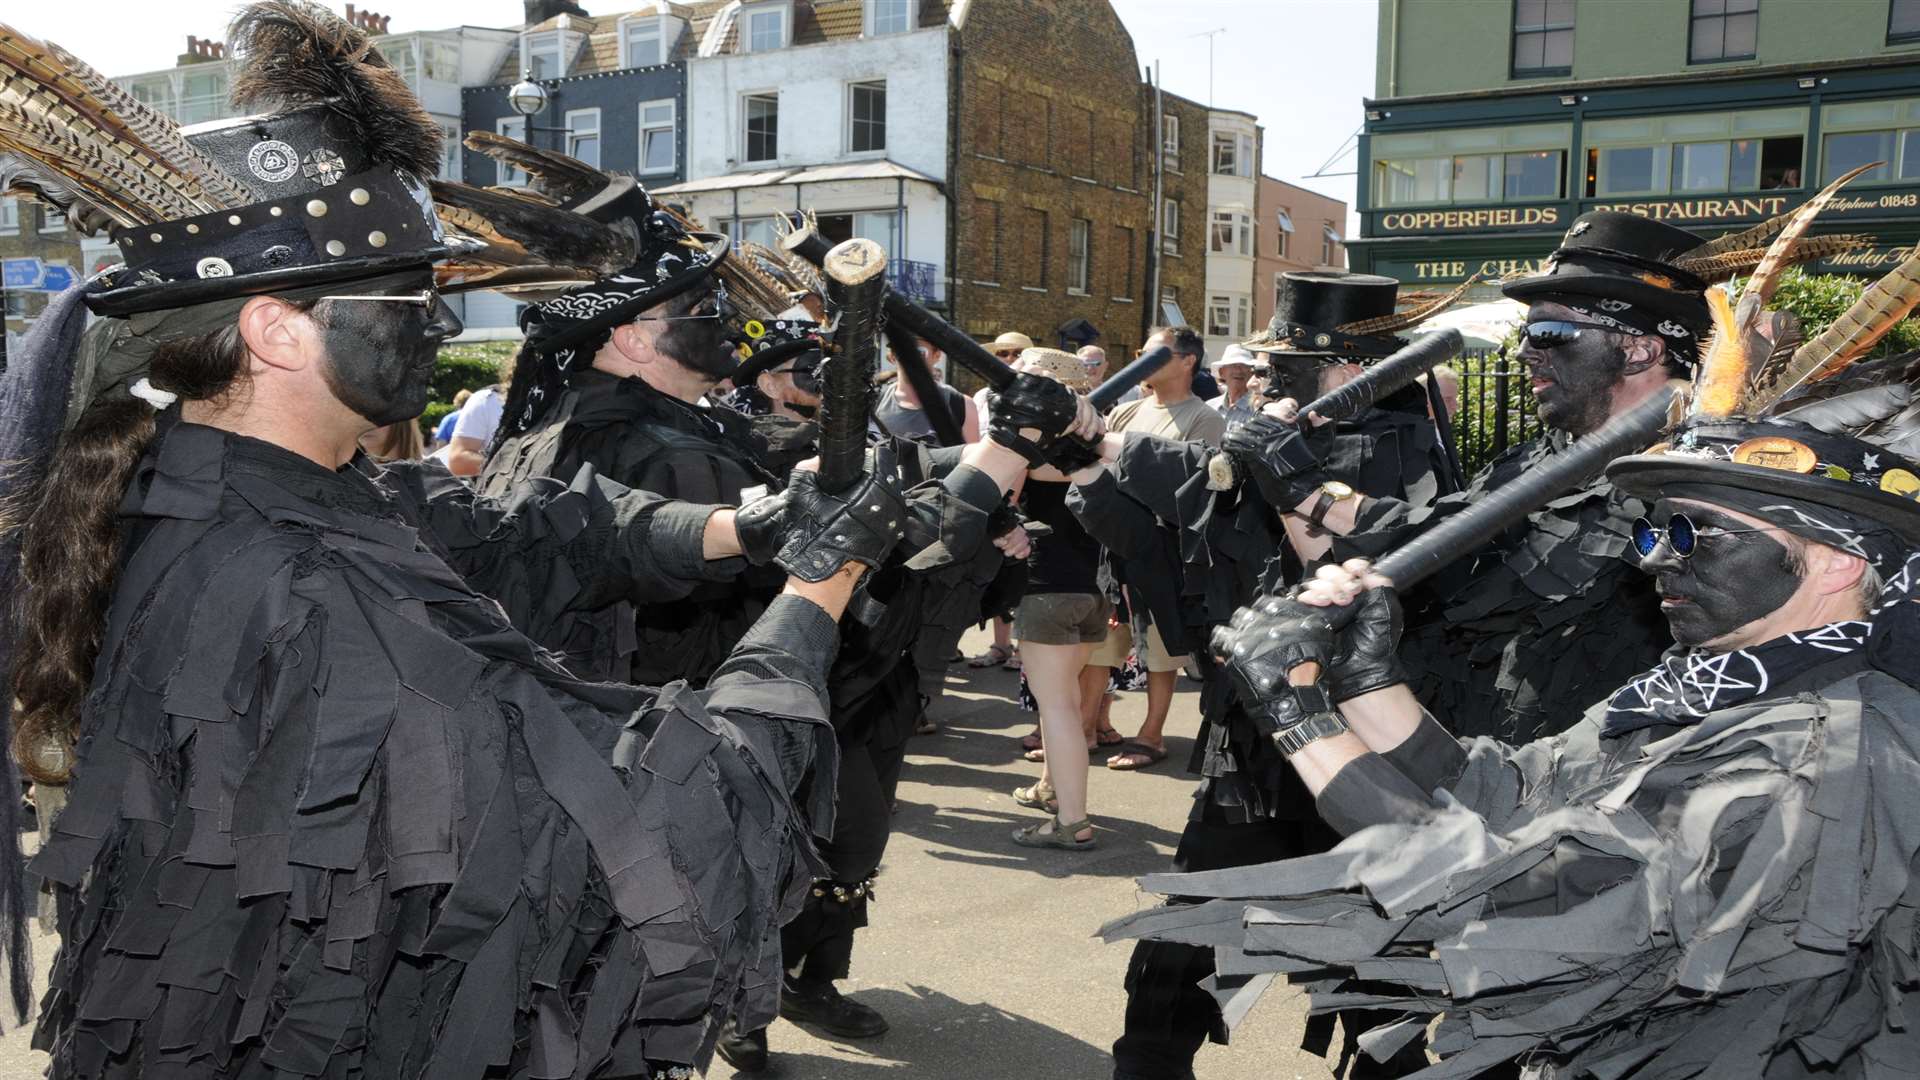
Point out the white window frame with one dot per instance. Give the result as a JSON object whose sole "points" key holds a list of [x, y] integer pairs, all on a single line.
{"points": [[532, 42], [765, 229], [1079, 256], [905, 8], [9, 216], [513, 127], [1219, 304], [1170, 140], [1170, 226], [1286, 233], [672, 128], [746, 139], [745, 22], [599, 142], [654, 26], [1232, 148], [853, 89], [450, 147], [1242, 316], [1329, 240]]}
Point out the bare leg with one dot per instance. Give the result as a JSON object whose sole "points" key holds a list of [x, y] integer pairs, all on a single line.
{"points": [[1160, 686], [1053, 674], [1093, 691]]}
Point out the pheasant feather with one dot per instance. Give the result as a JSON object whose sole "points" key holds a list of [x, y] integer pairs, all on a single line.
{"points": [[1744, 260], [555, 175], [1850, 336], [1414, 316]]}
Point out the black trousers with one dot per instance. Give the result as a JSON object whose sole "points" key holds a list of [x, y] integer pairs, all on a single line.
{"points": [[818, 943], [1169, 1014]]}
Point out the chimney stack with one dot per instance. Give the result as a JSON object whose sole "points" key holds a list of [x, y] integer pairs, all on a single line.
{"points": [[201, 50], [371, 22]]}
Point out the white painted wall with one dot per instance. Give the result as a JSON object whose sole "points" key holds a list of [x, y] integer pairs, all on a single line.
{"points": [[812, 83], [926, 216]]}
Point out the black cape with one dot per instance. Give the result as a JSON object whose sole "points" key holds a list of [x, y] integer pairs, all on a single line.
{"points": [[333, 816]]}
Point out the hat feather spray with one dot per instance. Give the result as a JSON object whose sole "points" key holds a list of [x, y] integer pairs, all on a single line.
{"points": [[1748, 340]]}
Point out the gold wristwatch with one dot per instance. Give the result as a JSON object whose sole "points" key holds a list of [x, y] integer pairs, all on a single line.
{"points": [[1331, 492]]}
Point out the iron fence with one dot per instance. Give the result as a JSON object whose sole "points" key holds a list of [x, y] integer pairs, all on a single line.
{"points": [[1496, 407]]}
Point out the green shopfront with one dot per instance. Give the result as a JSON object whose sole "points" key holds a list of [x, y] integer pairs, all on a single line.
{"points": [[1487, 183]]}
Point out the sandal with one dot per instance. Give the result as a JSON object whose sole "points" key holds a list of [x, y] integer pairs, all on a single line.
{"points": [[1100, 737], [1037, 796], [1012, 662], [1061, 836], [1031, 740], [995, 656], [1135, 755]]}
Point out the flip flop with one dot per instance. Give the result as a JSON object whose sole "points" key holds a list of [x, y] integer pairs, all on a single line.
{"points": [[1100, 737], [1131, 752], [995, 656]]}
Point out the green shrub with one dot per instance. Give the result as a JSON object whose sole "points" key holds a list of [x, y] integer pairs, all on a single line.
{"points": [[468, 366], [1818, 299]]}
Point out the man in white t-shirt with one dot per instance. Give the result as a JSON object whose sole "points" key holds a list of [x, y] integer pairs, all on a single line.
{"points": [[479, 419]]}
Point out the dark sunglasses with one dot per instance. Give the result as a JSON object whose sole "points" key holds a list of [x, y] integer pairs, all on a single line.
{"points": [[1681, 534], [1553, 333]]}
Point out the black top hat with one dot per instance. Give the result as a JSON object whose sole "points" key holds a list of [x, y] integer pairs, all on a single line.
{"points": [[1333, 314], [330, 186], [1784, 458], [1631, 260]]}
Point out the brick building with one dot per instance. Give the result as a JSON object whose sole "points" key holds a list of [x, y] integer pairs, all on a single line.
{"points": [[1051, 182], [1295, 229], [1184, 197]]}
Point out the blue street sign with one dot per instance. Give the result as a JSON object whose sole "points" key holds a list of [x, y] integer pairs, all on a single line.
{"points": [[21, 273], [57, 278]]}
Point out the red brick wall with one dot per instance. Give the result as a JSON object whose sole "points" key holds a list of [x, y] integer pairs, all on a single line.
{"points": [[1054, 126]]}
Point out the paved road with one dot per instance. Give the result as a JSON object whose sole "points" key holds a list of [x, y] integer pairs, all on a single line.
{"points": [[981, 953]]}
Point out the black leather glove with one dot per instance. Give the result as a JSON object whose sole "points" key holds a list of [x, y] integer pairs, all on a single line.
{"points": [[1265, 641], [1031, 401], [1282, 459], [1368, 653], [761, 526], [1071, 454], [825, 532]]}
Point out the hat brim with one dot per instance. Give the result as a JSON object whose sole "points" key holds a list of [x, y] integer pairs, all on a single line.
{"points": [[627, 310], [1649, 475], [141, 297], [1576, 279]]}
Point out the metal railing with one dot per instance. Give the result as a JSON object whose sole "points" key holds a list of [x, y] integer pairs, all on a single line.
{"points": [[917, 281], [1496, 408]]}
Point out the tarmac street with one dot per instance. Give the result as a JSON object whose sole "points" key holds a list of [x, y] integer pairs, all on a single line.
{"points": [[981, 954]]}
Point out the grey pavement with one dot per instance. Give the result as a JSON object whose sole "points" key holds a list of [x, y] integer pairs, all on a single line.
{"points": [[981, 954]]}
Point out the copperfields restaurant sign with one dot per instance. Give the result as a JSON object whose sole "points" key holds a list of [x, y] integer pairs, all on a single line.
{"points": [[1724, 209]]}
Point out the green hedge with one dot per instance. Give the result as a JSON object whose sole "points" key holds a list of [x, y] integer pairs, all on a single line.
{"points": [[463, 367], [1818, 299]]}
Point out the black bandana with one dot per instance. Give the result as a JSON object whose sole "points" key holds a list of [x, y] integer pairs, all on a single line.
{"points": [[1690, 683], [1683, 343]]}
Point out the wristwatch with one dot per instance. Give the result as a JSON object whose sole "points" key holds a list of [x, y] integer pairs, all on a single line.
{"points": [[1292, 740], [1331, 491]]}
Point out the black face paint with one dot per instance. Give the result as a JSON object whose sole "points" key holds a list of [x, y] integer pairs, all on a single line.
{"points": [[698, 344], [1580, 377], [1729, 582], [380, 354]]}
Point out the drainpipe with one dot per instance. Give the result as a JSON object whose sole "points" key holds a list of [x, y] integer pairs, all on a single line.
{"points": [[1155, 252], [1393, 50], [900, 216]]}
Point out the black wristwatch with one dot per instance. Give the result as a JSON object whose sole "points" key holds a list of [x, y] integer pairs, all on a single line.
{"points": [[1332, 491]]}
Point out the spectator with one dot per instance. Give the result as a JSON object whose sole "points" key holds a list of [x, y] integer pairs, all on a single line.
{"points": [[1172, 412], [898, 409], [1234, 370], [1060, 618], [398, 441], [1008, 347], [1449, 389], [443, 434], [479, 419], [1094, 359]]}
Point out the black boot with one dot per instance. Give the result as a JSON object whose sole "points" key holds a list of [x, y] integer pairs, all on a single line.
{"points": [[805, 1001], [746, 1053]]}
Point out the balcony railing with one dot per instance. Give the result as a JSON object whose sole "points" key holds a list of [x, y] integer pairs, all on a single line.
{"points": [[917, 281]]}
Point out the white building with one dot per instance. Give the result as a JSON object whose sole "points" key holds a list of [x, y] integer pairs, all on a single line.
{"points": [[762, 80], [1233, 168]]}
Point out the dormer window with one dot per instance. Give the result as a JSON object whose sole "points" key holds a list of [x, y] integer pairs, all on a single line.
{"points": [[763, 27], [646, 40], [545, 55], [889, 17]]}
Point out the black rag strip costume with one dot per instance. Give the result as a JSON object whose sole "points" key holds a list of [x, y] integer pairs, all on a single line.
{"points": [[1193, 555], [1541, 623], [335, 817], [1722, 886], [637, 436]]}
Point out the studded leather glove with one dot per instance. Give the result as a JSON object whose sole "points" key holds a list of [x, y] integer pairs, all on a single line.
{"points": [[1367, 657], [1282, 459], [762, 527], [1071, 454], [1265, 641], [825, 532], [1031, 401]]}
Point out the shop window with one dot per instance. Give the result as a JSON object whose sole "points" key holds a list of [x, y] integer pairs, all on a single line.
{"points": [[1471, 178]]}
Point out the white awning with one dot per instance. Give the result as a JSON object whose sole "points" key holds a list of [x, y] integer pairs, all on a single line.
{"points": [[809, 174], [1332, 237], [1286, 223]]}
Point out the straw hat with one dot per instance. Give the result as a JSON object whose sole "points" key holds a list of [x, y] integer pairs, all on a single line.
{"points": [[1062, 367], [1012, 339]]}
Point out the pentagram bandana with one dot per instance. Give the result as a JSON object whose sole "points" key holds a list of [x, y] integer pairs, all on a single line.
{"points": [[1689, 683]]}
